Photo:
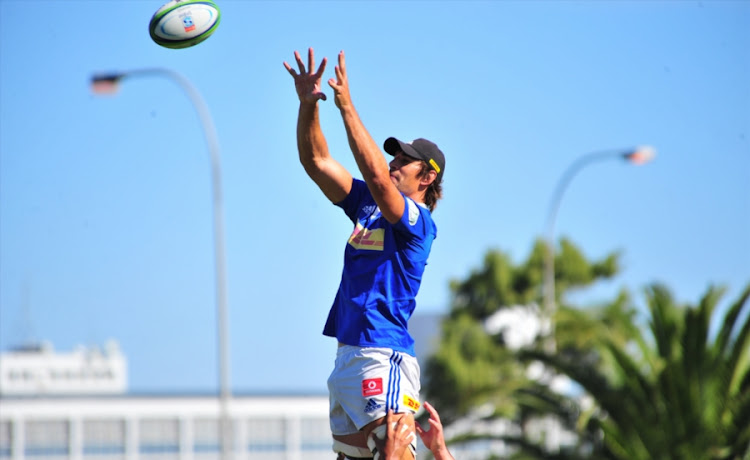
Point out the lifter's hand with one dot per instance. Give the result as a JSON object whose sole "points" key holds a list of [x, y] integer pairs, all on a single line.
{"points": [[433, 437], [340, 85], [398, 436], [307, 82]]}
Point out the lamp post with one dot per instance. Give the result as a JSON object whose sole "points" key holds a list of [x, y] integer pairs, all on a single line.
{"points": [[108, 84], [638, 156]]}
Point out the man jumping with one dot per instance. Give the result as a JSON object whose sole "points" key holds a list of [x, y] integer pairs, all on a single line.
{"points": [[375, 369]]}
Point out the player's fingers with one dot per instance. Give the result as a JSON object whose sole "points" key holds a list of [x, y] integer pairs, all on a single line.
{"points": [[300, 64], [435, 425], [339, 74], [433, 413], [391, 422], [342, 61], [289, 69], [429, 407], [322, 68], [310, 59], [399, 423]]}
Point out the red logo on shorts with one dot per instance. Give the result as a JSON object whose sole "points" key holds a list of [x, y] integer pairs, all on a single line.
{"points": [[372, 387]]}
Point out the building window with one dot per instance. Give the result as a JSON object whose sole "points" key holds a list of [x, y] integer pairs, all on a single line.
{"points": [[265, 436], [206, 436], [159, 436], [47, 438], [315, 434], [104, 437], [6, 439]]}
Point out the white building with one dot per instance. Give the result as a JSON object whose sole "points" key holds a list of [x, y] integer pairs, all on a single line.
{"points": [[75, 406], [163, 428], [39, 370]]}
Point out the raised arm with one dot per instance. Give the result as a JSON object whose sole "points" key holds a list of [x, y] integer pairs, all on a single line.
{"points": [[332, 178], [371, 162]]}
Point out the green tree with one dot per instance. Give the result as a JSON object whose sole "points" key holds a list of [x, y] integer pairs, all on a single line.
{"points": [[679, 392], [473, 368], [664, 388]]}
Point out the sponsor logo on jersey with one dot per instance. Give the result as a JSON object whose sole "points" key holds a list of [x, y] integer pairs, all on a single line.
{"points": [[411, 403], [372, 406], [363, 238], [372, 387], [368, 210]]}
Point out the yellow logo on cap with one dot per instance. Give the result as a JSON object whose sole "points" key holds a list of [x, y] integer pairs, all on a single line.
{"points": [[434, 165]]}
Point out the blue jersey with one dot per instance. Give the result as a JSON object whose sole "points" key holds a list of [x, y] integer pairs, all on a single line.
{"points": [[383, 266]]}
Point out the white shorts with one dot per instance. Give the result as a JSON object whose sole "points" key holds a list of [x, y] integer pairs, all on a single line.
{"points": [[366, 382]]}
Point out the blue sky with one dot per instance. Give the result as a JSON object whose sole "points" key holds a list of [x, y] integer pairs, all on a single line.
{"points": [[105, 202]]}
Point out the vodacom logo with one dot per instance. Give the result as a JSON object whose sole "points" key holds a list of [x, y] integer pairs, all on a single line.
{"points": [[371, 387]]}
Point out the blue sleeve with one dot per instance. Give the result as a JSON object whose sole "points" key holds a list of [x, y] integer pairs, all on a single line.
{"points": [[416, 222], [353, 201]]}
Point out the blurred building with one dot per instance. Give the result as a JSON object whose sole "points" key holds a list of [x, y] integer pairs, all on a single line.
{"points": [[75, 406], [37, 369]]}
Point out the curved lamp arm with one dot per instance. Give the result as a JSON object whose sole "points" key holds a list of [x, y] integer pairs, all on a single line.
{"points": [[109, 84], [638, 156]]}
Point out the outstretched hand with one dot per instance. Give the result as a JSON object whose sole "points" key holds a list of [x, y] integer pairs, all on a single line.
{"points": [[307, 81], [340, 84], [433, 437]]}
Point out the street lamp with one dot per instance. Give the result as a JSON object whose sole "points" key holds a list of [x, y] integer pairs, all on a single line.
{"points": [[637, 156], [108, 84]]}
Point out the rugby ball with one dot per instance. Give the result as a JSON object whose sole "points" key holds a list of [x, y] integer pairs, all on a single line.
{"points": [[184, 23]]}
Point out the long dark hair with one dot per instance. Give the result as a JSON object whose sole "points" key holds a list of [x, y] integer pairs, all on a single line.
{"points": [[434, 191]]}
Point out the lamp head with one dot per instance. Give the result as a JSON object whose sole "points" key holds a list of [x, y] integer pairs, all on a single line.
{"points": [[640, 155], [105, 83]]}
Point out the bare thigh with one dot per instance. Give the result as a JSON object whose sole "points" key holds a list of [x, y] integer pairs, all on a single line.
{"points": [[354, 439]]}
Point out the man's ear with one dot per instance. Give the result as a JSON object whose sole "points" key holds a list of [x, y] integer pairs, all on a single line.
{"points": [[429, 178]]}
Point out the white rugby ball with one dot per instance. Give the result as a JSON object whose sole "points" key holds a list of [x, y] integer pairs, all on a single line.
{"points": [[184, 23]]}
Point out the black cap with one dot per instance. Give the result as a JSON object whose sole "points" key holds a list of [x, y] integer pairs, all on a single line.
{"points": [[421, 149]]}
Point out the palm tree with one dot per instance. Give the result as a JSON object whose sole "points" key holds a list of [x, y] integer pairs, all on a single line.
{"points": [[676, 392]]}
